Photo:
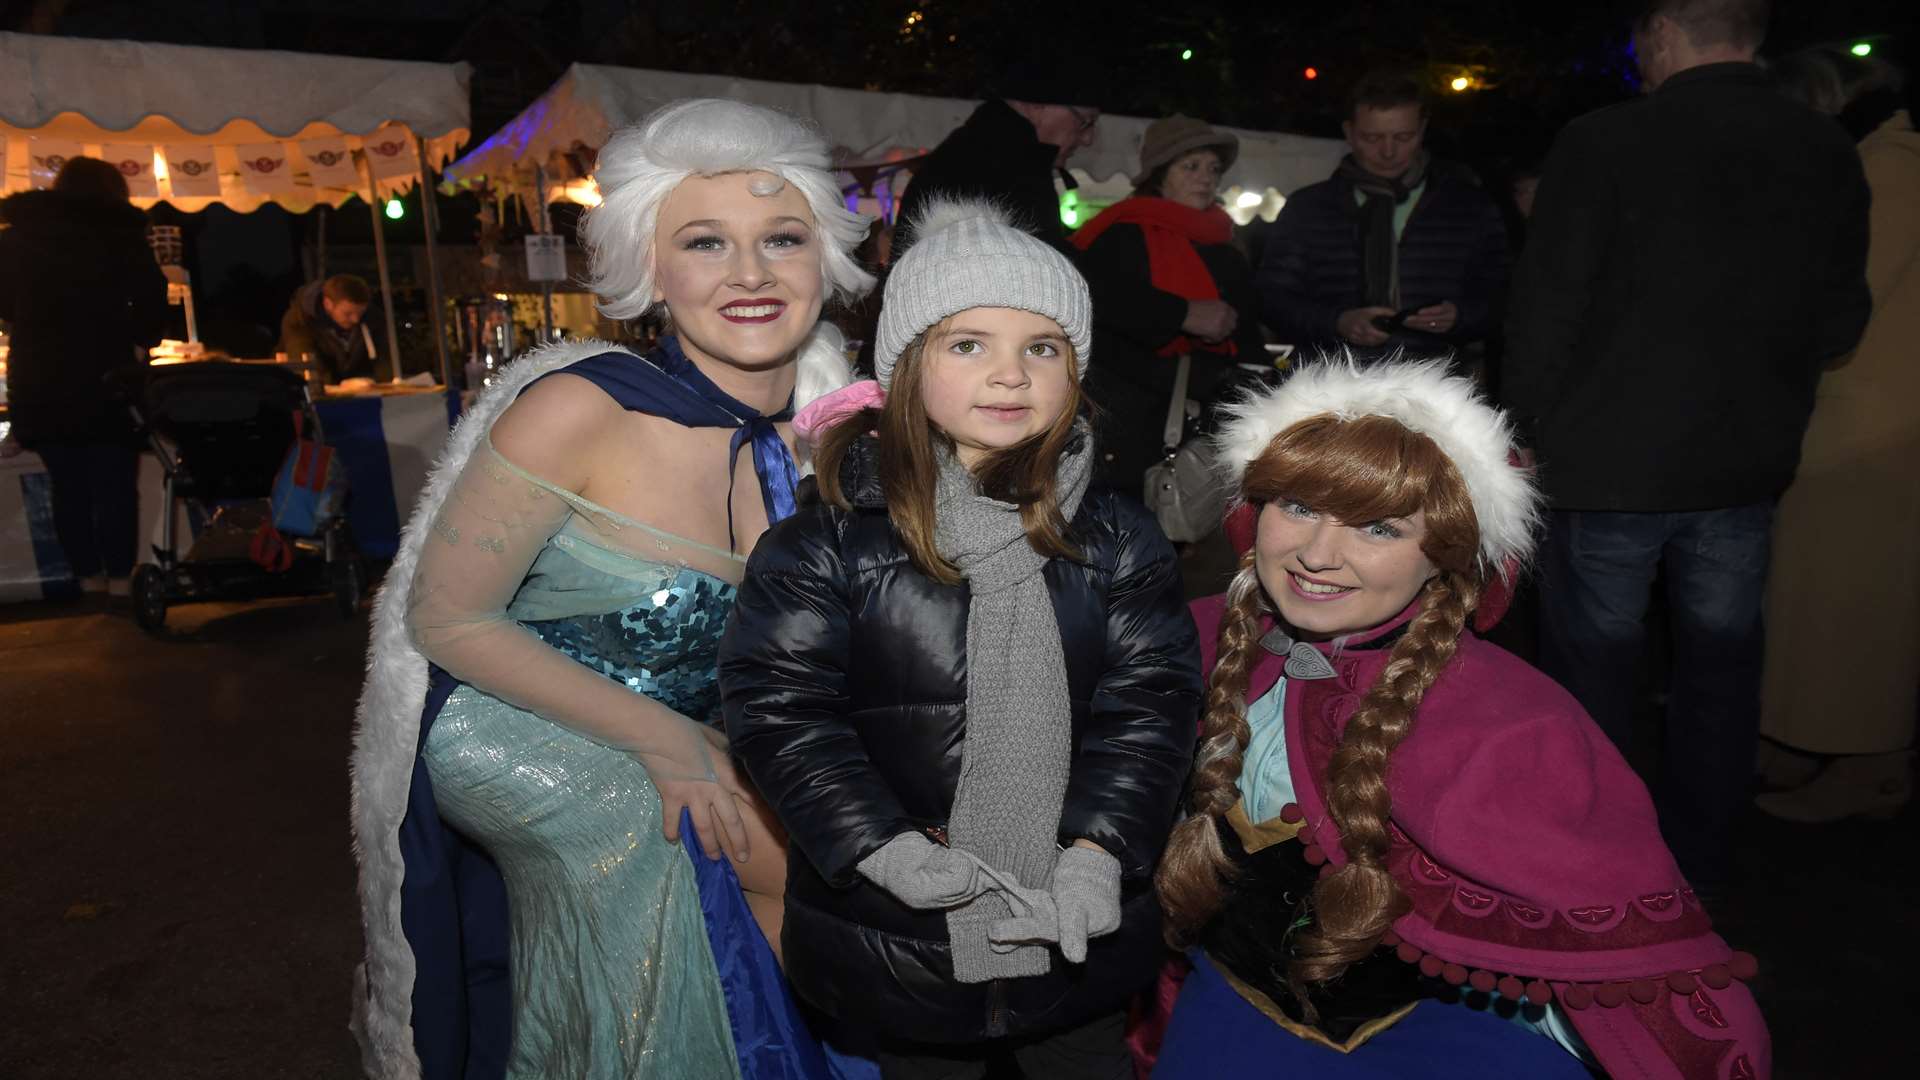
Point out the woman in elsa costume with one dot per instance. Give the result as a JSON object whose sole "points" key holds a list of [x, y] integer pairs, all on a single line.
{"points": [[560, 868]]}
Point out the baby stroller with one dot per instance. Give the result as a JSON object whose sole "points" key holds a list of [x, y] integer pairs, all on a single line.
{"points": [[222, 431]]}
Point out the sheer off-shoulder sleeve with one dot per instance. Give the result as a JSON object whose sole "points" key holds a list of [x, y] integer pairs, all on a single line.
{"points": [[478, 551]]}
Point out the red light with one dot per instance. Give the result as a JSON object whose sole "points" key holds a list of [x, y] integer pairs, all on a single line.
{"points": [[1311, 73]]}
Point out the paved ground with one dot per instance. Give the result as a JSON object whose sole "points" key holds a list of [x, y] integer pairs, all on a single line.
{"points": [[176, 888]]}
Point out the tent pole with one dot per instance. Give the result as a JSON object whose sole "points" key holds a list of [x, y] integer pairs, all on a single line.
{"points": [[430, 217], [380, 255], [546, 226]]}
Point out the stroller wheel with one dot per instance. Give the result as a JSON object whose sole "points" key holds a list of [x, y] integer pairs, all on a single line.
{"points": [[349, 581], [149, 588]]}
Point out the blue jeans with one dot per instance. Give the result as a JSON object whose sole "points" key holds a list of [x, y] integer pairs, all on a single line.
{"points": [[1599, 570]]}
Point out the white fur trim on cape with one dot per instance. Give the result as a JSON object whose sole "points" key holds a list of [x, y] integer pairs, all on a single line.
{"points": [[387, 722], [1475, 436]]}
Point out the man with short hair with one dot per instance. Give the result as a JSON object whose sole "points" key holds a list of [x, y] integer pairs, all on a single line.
{"points": [[1393, 231], [327, 319], [1694, 260], [1009, 151]]}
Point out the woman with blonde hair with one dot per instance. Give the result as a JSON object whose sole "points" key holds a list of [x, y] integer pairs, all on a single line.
{"points": [[1409, 854]]}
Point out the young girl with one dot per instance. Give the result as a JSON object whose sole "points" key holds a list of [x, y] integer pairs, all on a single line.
{"points": [[541, 803], [1410, 854], [967, 687]]}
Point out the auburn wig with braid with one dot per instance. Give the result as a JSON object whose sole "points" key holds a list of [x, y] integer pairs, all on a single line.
{"points": [[1355, 469]]}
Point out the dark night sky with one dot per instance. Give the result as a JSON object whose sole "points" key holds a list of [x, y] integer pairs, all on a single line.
{"points": [[1543, 62]]}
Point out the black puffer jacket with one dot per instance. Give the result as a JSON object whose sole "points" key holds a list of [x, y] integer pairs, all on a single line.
{"points": [[81, 290], [1454, 247], [844, 679]]}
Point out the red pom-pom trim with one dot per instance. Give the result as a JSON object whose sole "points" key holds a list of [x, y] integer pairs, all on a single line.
{"points": [[1408, 952], [1389, 939], [1511, 988], [1540, 992], [1292, 814], [1454, 974], [1314, 855], [1431, 966], [1577, 996], [1716, 976], [1743, 966], [1611, 995], [1643, 991], [1482, 981], [1682, 982]]}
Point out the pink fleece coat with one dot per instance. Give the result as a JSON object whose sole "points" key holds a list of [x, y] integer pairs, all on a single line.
{"points": [[1532, 856]]}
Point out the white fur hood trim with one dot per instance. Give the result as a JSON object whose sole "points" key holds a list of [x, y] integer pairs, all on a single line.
{"points": [[387, 722], [1475, 436]]}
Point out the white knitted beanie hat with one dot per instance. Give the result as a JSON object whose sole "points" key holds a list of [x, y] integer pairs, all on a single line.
{"points": [[966, 256]]}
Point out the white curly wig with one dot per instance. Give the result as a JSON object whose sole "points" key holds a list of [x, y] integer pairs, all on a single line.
{"points": [[1424, 398], [642, 163]]}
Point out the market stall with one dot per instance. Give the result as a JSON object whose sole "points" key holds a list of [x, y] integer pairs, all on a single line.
{"points": [[194, 126], [547, 151]]}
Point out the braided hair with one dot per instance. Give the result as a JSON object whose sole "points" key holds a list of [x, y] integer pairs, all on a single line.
{"points": [[1357, 469]]}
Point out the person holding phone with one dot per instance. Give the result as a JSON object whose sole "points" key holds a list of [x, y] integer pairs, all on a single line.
{"points": [[1397, 250]]}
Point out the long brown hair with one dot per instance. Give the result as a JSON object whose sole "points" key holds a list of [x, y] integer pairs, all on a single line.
{"points": [[1355, 470], [1024, 474]]}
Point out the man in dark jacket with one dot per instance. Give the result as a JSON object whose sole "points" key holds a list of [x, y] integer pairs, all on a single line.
{"points": [[328, 321], [84, 297], [1695, 259], [1393, 230], [1009, 151]]}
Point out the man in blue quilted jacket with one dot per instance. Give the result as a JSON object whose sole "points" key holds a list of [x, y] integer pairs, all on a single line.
{"points": [[1393, 232]]}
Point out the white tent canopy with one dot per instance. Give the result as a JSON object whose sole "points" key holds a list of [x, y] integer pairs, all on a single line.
{"points": [[866, 128], [195, 126]]}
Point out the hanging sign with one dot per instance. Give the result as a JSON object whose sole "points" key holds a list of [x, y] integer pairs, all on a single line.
{"points": [[390, 152], [546, 257], [191, 172], [265, 167], [48, 156], [330, 163], [135, 162]]}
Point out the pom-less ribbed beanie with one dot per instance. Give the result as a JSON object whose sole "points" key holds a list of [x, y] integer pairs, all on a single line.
{"points": [[966, 256]]}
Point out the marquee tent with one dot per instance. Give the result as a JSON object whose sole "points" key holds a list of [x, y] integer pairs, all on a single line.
{"points": [[194, 126], [870, 131]]}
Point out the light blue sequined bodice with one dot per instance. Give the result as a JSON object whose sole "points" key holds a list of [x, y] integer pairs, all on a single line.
{"points": [[653, 626]]}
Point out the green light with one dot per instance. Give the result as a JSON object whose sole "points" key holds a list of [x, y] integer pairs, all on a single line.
{"points": [[1186, 54], [1862, 48], [395, 208], [1069, 216]]}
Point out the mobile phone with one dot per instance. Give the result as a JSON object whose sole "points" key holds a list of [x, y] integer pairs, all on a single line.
{"points": [[1396, 323]]}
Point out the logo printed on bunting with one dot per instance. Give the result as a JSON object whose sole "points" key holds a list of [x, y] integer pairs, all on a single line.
{"points": [[265, 167], [390, 151], [47, 156], [135, 162], [191, 172], [330, 163]]}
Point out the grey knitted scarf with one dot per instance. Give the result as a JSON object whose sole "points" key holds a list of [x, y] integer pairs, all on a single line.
{"points": [[1016, 753]]}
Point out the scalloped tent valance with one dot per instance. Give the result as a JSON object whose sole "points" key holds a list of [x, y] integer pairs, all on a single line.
{"points": [[194, 126], [867, 128]]}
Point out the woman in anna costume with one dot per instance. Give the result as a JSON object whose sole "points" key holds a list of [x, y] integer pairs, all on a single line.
{"points": [[1411, 854]]}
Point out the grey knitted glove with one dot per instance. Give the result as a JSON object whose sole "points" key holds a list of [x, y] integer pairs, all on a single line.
{"points": [[922, 874], [1086, 904]]}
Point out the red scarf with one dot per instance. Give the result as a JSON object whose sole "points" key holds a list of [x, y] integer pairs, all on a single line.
{"points": [[1171, 230]]}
